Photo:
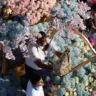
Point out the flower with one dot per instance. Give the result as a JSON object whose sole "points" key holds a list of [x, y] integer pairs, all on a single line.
{"points": [[94, 93], [34, 10], [69, 15]]}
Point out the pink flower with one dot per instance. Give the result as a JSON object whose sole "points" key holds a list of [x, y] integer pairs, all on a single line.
{"points": [[34, 10], [92, 41], [49, 83], [94, 93]]}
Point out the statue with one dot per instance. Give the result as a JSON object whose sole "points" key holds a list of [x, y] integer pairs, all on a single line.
{"points": [[64, 64]]}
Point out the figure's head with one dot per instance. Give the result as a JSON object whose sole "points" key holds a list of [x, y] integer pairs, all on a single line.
{"points": [[88, 23], [42, 41], [36, 80]]}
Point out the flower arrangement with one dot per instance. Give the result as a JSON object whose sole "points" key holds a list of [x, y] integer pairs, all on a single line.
{"points": [[34, 10], [14, 34], [69, 15], [18, 33]]}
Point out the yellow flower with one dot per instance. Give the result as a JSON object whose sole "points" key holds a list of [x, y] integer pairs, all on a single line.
{"points": [[7, 12]]}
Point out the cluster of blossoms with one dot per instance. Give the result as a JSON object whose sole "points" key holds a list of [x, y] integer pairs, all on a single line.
{"points": [[94, 93], [34, 10], [70, 15], [16, 34]]}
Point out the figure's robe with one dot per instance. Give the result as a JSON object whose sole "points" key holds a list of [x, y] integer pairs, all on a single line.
{"points": [[63, 64]]}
